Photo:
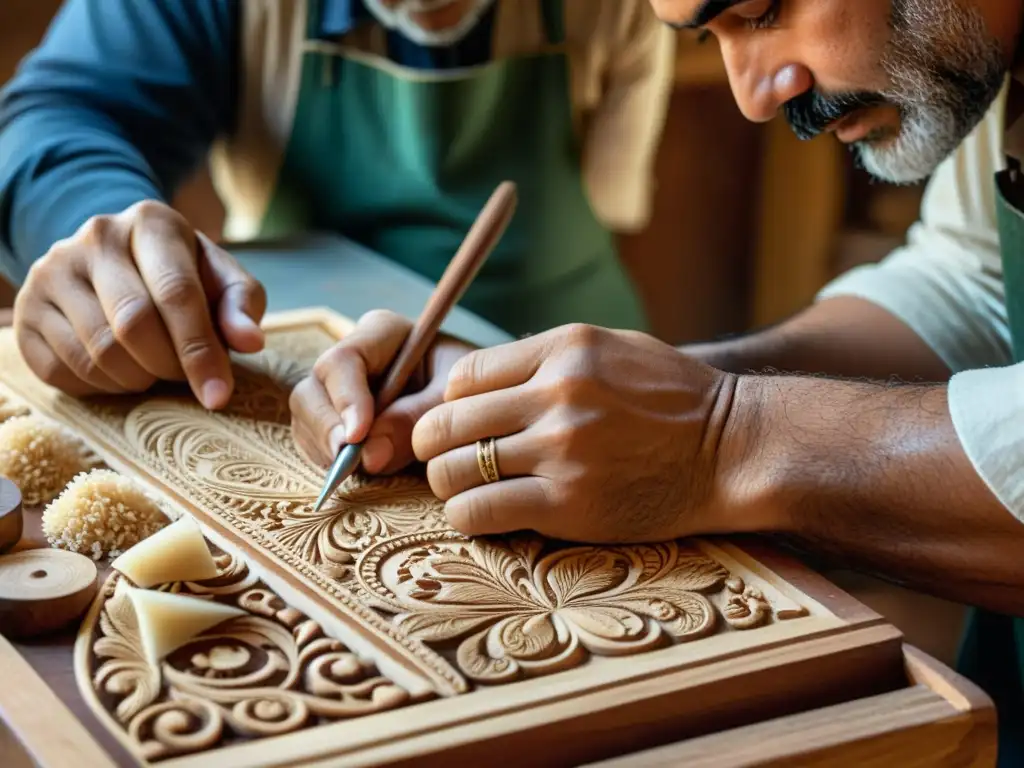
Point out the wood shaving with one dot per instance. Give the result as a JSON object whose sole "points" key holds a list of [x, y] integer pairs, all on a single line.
{"points": [[101, 514], [38, 456]]}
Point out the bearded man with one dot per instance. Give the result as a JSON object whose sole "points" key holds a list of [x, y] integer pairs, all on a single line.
{"points": [[389, 121], [605, 435]]}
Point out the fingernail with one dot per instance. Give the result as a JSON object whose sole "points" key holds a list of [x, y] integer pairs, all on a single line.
{"points": [[215, 394], [348, 420], [377, 452], [336, 439]]}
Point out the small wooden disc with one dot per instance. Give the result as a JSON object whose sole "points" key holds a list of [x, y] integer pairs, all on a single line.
{"points": [[43, 590], [10, 515]]}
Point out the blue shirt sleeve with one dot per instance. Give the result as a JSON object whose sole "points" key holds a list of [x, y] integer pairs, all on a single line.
{"points": [[119, 103]]}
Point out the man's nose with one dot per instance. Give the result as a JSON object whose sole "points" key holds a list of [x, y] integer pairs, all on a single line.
{"points": [[760, 95]]}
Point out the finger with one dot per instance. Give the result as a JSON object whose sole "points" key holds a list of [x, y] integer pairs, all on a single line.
{"points": [[83, 311], [314, 415], [458, 470], [495, 368], [389, 445], [512, 505], [347, 367], [493, 414], [60, 337], [132, 314], [239, 298], [165, 256], [44, 362], [309, 447]]}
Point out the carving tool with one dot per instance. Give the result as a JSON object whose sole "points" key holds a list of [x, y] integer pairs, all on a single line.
{"points": [[481, 239]]}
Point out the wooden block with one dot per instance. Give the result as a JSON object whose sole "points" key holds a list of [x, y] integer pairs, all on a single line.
{"points": [[11, 524], [43, 590]]}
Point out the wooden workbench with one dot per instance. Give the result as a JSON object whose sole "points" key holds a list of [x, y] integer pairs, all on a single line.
{"points": [[924, 715]]}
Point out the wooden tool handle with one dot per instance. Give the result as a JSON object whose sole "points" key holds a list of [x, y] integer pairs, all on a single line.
{"points": [[42, 590], [485, 233], [11, 524]]}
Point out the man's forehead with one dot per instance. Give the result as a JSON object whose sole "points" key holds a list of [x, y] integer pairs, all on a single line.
{"points": [[690, 14]]}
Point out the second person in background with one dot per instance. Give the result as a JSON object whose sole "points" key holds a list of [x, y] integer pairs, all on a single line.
{"points": [[390, 122]]}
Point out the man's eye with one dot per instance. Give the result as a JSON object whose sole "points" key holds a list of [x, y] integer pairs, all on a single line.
{"points": [[766, 19]]}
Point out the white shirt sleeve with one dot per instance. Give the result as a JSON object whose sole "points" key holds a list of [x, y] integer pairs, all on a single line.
{"points": [[946, 284]]}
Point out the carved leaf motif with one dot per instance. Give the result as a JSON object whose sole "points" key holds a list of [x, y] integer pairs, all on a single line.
{"points": [[441, 626], [532, 613], [127, 673], [606, 621], [575, 574]]}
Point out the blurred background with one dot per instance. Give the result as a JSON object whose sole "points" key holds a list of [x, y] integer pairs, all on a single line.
{"points": [[749, 222]]}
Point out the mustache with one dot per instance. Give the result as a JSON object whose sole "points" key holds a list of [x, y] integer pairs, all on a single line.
{"points": [[810, 113]]}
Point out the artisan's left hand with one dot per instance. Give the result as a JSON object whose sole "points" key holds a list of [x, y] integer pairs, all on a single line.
{"points": [[602, 436]]}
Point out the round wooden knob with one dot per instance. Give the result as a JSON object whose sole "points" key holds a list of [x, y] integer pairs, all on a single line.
{"points": [[10, 515], [43, 590]]}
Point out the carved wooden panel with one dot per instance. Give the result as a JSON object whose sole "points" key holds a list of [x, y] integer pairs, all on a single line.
{"points": [[463, 637], [254, 677]]}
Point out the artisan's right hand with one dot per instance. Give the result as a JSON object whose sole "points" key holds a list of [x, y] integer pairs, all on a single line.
{"points": [[135, 298], [335, 405]]}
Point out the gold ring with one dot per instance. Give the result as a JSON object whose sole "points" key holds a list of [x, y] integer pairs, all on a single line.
{"points": [[487, 460]]}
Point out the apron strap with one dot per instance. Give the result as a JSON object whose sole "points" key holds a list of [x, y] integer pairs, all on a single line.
{"points": [[554, 21]]}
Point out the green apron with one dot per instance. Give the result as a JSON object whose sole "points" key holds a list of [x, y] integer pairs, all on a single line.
{"points": [[402, 160], [992, 652]]}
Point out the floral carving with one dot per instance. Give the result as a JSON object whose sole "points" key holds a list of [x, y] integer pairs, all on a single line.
{"points": [[518, 609], [271, 672]]}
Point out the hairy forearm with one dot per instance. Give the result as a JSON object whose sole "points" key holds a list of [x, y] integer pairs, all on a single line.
{"points": [[874, 477], [839, 337]]}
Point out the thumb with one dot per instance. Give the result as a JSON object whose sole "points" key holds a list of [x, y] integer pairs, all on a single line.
{"points": [[238, 299], [388, 448]]}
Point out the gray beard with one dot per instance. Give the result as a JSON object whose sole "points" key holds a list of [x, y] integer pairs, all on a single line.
{"points": [[400, 20], [945, 70]]}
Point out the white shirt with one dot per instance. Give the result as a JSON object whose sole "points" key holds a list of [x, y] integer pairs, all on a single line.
{"points": [[946, 284]]}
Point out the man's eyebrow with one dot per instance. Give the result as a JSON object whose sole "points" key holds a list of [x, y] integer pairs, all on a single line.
{"points": [[708, 11]]}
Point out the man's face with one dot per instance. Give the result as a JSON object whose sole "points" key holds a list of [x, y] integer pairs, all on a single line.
{"points": [[429, 22], [902, 82]]}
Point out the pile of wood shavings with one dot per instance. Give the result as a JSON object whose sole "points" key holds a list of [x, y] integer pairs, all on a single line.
{"points": [[38, 456], [101, 514]]}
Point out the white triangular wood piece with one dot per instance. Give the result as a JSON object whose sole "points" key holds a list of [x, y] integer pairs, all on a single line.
{"points": [[168, 621], [177, 552]]}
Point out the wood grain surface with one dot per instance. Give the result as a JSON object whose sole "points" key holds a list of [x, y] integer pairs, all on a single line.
{"points": [[49, 732]]}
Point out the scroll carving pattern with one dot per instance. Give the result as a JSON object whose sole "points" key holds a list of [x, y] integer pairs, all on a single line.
{"points": [[265, 674]]}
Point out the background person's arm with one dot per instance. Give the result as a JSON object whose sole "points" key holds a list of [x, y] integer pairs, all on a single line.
{"points": [[119, 103]]}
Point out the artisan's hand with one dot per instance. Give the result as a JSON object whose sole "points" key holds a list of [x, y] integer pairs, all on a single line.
{"points": [[137, 297], [334, 404], [603, 436]]}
